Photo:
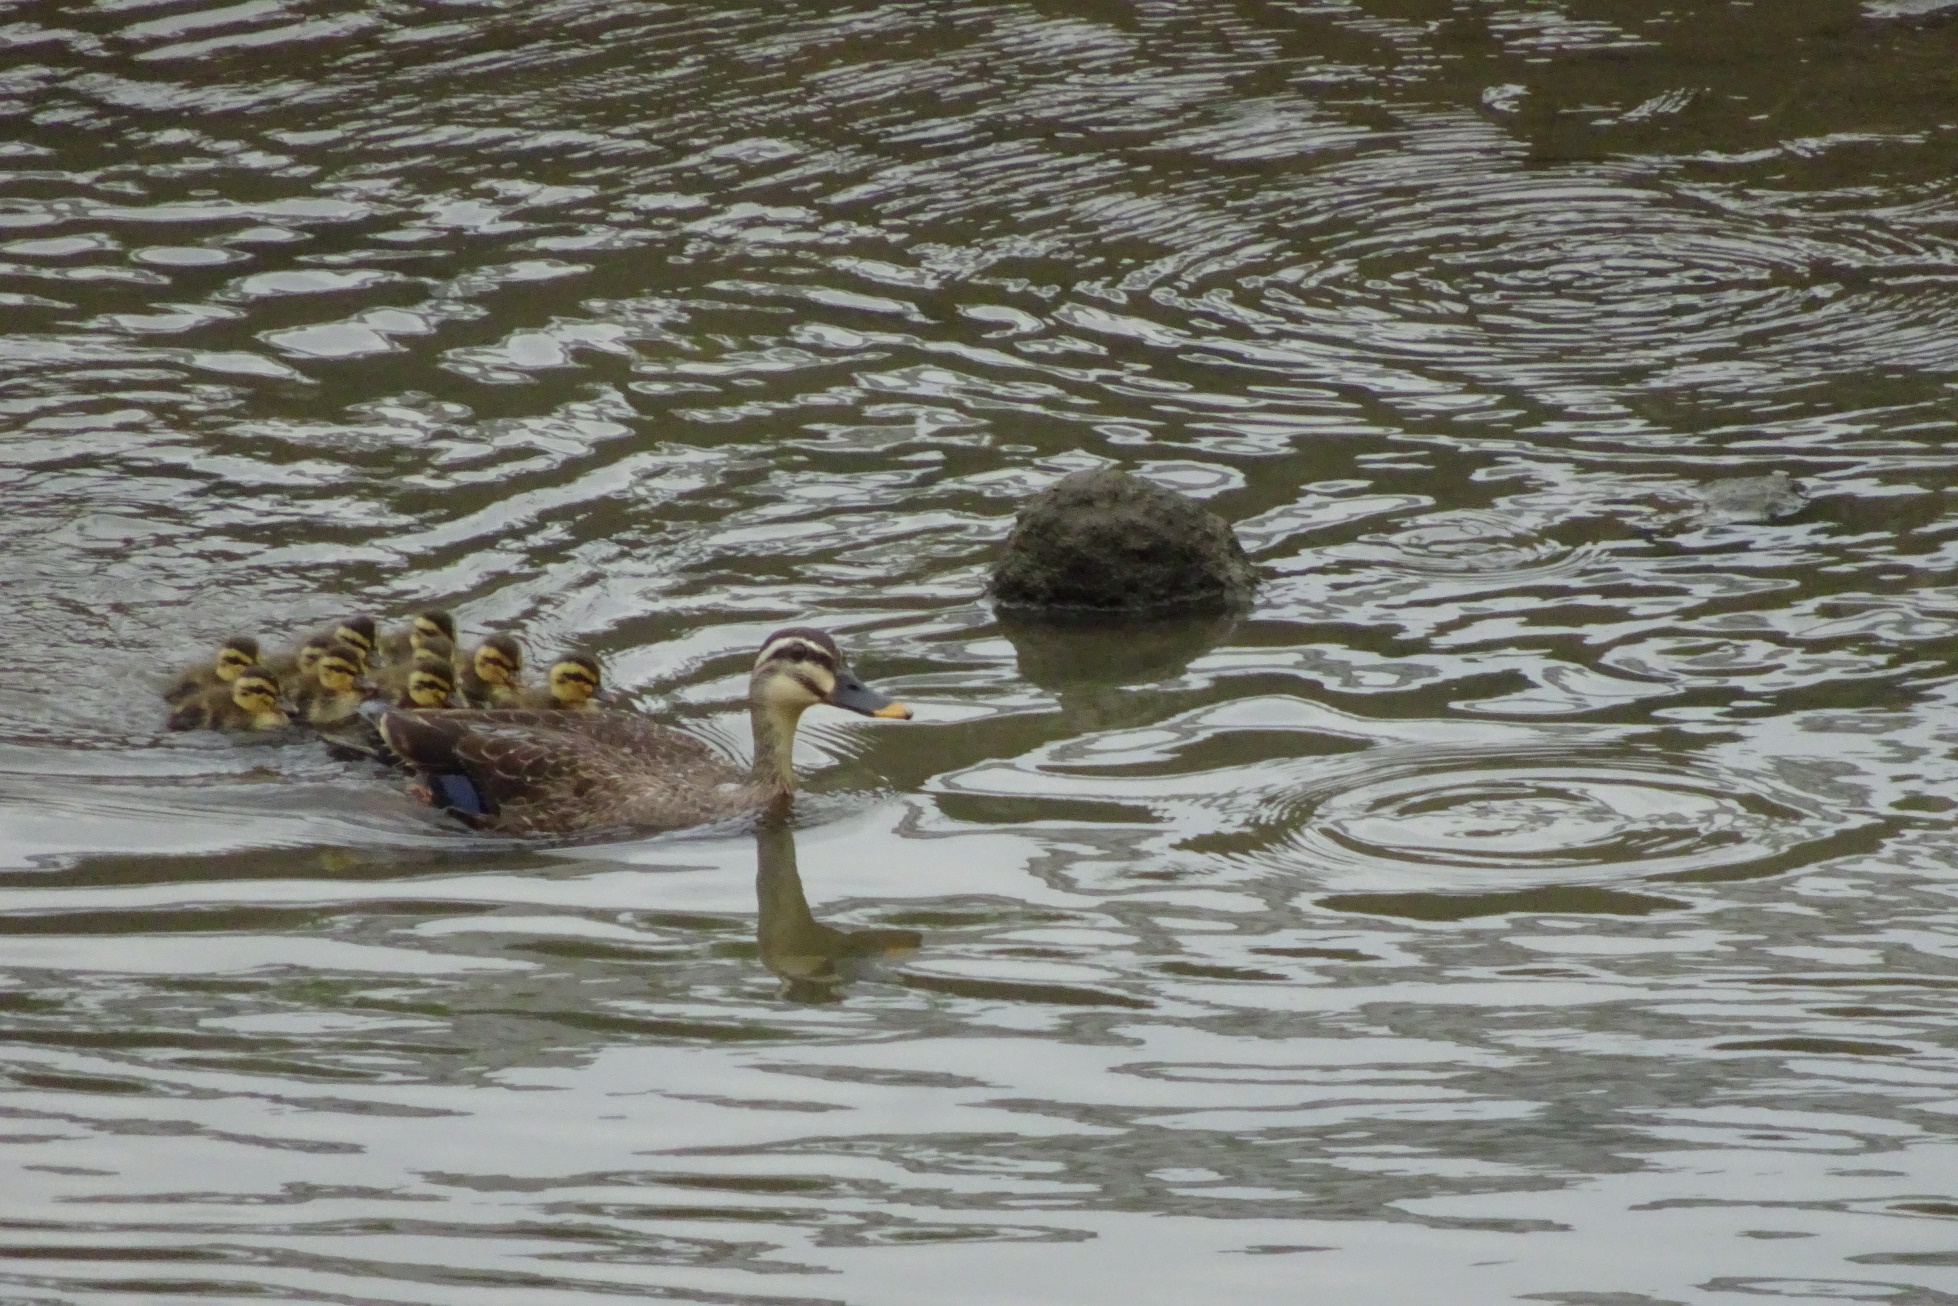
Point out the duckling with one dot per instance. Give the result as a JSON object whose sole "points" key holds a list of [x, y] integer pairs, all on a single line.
{"points": [[433, 651], [336, 692], [358, 634], [430, 685], [528, 772], [492, 677], [294, 670], [234, 656], [353, 736], [431, 625], [573, 684], [250, 702]]}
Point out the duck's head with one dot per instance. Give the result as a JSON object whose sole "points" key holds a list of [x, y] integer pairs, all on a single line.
{"points": [[357, 633], [339, 666], [574, 679], [800, 667], [237, 655], [258, 693], [498, 660], [429, 685], [432, 626]]}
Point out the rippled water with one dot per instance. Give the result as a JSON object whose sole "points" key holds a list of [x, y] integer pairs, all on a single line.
{"points": [[1545, 894]]}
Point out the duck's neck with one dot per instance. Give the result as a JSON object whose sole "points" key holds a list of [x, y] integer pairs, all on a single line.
{"points": [[774, 728]]}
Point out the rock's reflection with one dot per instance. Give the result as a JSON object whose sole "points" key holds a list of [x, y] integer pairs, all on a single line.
{"points": [[1082, 659], [815, 961]]}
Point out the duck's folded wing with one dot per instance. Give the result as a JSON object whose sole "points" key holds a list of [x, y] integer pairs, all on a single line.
{"points": [[650, 744], [655, 745], [512, 759]]}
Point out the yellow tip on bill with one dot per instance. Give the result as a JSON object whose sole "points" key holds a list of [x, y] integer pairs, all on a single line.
{"points": [[895, 711]]}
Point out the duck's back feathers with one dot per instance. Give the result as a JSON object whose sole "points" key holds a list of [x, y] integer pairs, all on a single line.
{"points": [[548, 772]]}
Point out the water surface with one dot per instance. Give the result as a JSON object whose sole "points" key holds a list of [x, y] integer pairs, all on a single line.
{"points": [[1544, 894]]}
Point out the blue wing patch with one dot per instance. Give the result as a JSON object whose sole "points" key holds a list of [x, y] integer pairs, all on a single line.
{"points": [[458, 794]]}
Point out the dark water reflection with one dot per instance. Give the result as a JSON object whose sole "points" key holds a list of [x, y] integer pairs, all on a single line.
{"points": [[1544, 894]]}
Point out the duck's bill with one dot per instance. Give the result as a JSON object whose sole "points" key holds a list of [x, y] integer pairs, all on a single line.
{"points": [[856, 696]]}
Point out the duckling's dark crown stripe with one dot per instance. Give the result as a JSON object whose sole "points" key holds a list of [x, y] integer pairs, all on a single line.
{"points": [[358, 631], [503, 644]]}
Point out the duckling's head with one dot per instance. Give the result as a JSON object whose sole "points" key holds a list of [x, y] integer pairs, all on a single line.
{"points": [[436, 650], [800, 667], [237, 655], [498, 660], [258, 693], [432, 626], [574, 679], [357, 633], [310, 653], [339, 666], [430, 685]]}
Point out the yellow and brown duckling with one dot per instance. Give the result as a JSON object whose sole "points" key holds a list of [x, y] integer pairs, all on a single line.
{"points": [[295, 669], [336, 692], [251, 701], [358, 633], [432, 652], [427, 626], [493, 677], [431, 684], [572, 684], [236, 655]]}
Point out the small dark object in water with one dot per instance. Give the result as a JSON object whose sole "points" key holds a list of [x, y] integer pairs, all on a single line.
{"points": [[1108, 542], [1753, 499]]}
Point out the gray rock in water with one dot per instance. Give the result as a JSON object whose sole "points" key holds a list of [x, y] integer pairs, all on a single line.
{"points": [[1110, 543]]}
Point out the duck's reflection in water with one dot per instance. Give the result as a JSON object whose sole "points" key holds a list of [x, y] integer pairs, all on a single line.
{"points": [[816, 962]]}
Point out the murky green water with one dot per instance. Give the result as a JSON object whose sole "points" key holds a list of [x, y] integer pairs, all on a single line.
{"points": [[1547, 894]]}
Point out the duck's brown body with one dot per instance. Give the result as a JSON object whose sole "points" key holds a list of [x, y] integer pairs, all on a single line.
{"points": [[555, 772]]}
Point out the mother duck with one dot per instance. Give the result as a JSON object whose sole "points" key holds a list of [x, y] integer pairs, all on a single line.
{"points": [[544, 772]]}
